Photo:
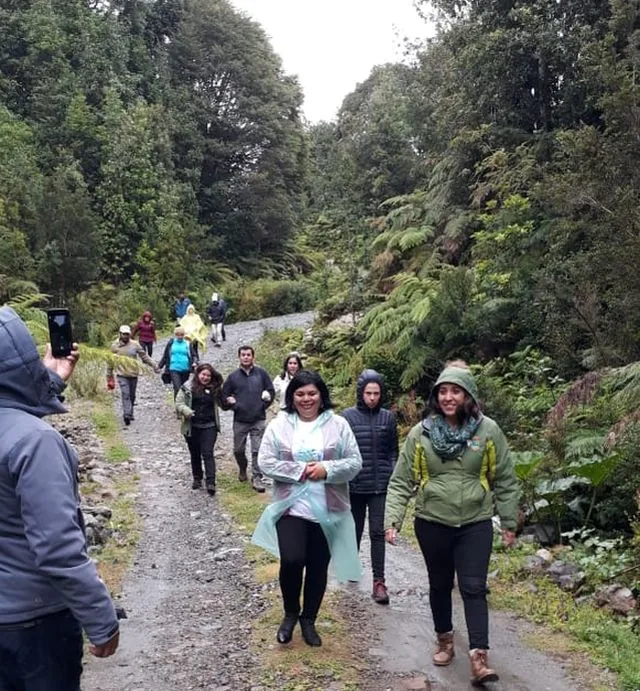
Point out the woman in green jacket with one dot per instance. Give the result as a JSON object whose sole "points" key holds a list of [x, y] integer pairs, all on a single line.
{"points": [[197, 405], [457, 463]]}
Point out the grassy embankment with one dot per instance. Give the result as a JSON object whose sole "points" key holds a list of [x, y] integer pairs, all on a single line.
{"points": [[116, 556]]}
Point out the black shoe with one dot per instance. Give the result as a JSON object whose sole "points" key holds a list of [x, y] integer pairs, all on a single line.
{"points": [[127, 420], [309, 633], [211, 488], [196, 484], [285, 632], [242, 476]]}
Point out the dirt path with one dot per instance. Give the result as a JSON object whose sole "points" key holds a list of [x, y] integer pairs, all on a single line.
{"points": [[191, 598]]}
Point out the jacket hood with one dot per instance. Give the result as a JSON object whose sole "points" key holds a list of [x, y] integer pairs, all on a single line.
{"points": [[147, 314], [368, 376], [191, 309], [459, 376], [25, 383]]}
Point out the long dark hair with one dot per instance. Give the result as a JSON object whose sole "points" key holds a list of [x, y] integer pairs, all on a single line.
{"points": [[303, 378], [216, 382], [293, 355]]}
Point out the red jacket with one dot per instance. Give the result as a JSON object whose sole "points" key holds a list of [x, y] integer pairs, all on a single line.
{"points": [[146, 330]]}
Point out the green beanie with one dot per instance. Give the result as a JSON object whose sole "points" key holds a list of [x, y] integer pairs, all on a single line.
{"points": [[460, 377]]}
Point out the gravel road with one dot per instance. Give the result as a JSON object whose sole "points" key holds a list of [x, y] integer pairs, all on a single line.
{"points": [[191, 598]]}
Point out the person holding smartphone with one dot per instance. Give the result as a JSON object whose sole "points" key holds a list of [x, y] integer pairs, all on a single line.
{"points": [[127, 375], [49, 587]]}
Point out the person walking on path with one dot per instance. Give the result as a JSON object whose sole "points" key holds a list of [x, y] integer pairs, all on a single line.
{"points": [[145, 329], [249, 392], [49, 587], [127, 375], [195, 330], [375, 429], [216, 312], [292, 364], [197, 404], [460, 463], [179, 358], [180, 305], [311, 454]]}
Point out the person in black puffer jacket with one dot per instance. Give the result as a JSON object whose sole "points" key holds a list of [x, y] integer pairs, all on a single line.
{"points": [[375, 429]]}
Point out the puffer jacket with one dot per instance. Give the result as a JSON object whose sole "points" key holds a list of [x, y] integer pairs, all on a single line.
{"points": [[377, 436], [44, 566]]}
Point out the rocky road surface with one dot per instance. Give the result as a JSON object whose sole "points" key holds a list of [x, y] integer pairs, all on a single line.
{"points": [[191, 598]]}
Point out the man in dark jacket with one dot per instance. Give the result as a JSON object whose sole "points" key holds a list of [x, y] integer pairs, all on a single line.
{"points": [[375, 429], [49, 587], [217, 311], [249, 392]]}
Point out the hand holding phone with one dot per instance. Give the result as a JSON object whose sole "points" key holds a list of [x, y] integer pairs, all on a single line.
{"points": [[60, 334]]}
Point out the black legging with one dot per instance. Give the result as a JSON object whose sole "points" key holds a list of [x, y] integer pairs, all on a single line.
{"points": [[303, 546], [201, 443], [465, 551], [375, 503]]}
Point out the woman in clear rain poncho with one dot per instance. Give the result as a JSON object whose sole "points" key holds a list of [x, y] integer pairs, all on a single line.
{"points": [[311, 454]]}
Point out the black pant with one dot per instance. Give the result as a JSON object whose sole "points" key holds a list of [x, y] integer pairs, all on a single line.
{"points": [[465, 551], [178, 379], [303, 546], [148, 346], [44, 654], [376, 503], [201, 443]]}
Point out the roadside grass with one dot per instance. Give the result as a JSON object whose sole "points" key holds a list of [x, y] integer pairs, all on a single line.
{"points": [[115, 557], [104, 420], [574, 631], [273, 347], [296, 666]]}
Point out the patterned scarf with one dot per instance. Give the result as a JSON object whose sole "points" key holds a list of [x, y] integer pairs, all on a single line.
{"points": [[450, 442]]}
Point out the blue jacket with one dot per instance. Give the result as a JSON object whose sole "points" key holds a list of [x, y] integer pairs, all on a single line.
{"points": [[44, 567], [180, 307], [377, 436]]}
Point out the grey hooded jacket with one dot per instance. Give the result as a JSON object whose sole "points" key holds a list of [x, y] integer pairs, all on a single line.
{"points": [[44, 567]]}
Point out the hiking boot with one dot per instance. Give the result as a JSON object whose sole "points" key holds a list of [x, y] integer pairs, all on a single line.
{"points": [[242, 475], [196, 484], [211, 488], [285, 632], [480, 671], [444, 652], [127, 419], [309, 633], [380, 594], [256, 483]]}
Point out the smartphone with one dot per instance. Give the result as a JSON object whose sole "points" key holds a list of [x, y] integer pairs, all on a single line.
{"points": [[60, 335]]}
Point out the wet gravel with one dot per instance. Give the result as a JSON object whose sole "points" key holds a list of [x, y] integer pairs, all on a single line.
{"points": [[191, 598]]}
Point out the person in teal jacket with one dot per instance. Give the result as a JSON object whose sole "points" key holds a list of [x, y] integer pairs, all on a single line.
{"points": [[457, 463], [311, 454]]}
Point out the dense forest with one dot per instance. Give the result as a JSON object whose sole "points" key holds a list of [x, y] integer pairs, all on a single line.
{"points": [[478, 200]]}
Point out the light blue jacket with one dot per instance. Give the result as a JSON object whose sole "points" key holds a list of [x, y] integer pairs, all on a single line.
{"points": [[44, 567], [342, 460]]}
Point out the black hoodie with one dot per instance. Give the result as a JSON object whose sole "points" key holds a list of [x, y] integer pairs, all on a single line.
{"points": [[377, 436]]}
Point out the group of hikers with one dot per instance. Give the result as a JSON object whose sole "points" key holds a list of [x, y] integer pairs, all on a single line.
{"points": [[327, 471]]}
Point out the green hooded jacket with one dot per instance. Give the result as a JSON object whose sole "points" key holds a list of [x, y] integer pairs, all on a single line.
{"points": [[458, 491]]}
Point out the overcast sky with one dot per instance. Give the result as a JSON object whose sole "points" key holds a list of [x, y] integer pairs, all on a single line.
{"points": [[331, 45]]}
